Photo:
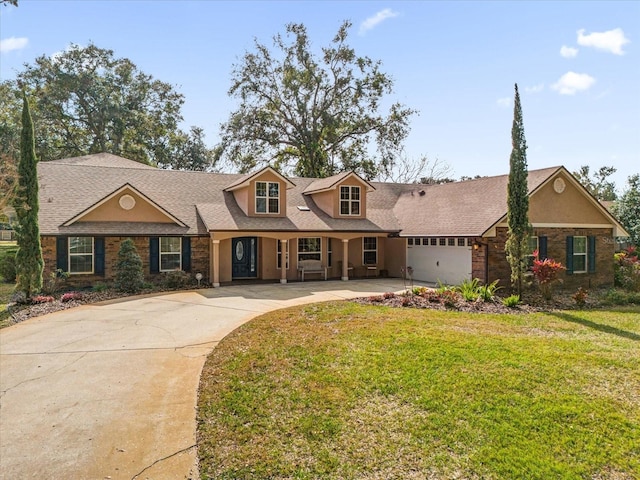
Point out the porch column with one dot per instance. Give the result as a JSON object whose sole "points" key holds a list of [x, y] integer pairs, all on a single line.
{"points": [[283, 260], [216, 263], [345, 259]]}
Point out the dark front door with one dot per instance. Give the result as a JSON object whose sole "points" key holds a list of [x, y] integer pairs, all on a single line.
{"points": [[244, 252]]}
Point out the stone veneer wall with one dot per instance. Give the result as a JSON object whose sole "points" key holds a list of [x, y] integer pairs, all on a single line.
{"points": [[199, 259], [557, 250]]}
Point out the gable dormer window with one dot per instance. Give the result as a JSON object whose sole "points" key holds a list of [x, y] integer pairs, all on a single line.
{"points": [[267, 197], [349, 200]]}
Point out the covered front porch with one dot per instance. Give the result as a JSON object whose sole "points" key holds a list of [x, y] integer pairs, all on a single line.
{"points": [[255, 255]]}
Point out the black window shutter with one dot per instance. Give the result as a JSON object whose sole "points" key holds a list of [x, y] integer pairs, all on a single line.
{"points": [[569, 255], [542, 248], [591, 254], [154, 254], [61, 253], [186, 254], [98, 256]]}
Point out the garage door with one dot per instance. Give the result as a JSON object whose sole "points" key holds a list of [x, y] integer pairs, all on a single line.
{"points": [[446, 260]]}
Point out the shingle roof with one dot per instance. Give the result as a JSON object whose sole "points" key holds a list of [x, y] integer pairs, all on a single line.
{"points": [[199, 200], [466, 208], [101, 160], [321, 184]]}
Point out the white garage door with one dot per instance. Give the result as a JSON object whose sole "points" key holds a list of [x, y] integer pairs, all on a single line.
{"points": [[446, 260]]}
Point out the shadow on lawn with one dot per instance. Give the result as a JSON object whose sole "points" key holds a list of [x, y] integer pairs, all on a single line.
{"points": [[597, 326]]}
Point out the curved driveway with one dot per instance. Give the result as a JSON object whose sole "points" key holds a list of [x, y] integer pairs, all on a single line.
{"points": [[109, 390]]}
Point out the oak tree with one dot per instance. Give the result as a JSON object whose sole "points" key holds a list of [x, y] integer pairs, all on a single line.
{"points": [[312, 114]]}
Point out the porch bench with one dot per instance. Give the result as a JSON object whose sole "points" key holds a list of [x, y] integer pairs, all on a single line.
{"points": [[311, 266]]}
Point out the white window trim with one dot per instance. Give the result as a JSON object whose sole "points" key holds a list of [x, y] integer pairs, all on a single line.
{"points": [[308, 253], [69, 255], [266, 198], [279, 252], [369, 250], [350, 201], [585, 254], [160, 253]]}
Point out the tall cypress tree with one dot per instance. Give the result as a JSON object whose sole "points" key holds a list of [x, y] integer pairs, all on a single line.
{"points": [[517, 244], [29, 263]]}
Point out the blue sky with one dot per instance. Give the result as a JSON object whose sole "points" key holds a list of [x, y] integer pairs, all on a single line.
{"points": [[577, 65]]}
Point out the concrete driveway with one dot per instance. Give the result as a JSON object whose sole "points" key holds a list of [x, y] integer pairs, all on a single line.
{"points": [[109, 390]]}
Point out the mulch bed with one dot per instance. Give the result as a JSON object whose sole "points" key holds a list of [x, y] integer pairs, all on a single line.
{"points": [[531, 303]]}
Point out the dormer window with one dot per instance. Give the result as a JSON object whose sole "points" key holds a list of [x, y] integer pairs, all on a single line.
{"points": [[349, 200], [267, 197]]}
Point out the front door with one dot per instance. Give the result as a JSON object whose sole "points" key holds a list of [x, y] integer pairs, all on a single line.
{"points": [[244, 252]]}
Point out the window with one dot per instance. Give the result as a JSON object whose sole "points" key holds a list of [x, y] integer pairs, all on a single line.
{"points": [[80, 254], [170, 254], [451, 242], [329, 253], [461, 242], [425, 241], [369, 250], [349, 200], [410, 241], [434, 241], [267, 197], [309, 248], [532, 247], [279, 254], [442, 242], [579, 254]]}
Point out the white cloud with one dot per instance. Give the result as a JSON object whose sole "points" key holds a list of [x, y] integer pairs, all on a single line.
{"points": [[13, 43], [610, 41], [535, 89], [504, 101], [568, 52], [376, 19], [570, 83]]}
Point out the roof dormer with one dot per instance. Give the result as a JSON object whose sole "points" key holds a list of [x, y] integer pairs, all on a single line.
{"points": [[263, 193], [341, 196]]}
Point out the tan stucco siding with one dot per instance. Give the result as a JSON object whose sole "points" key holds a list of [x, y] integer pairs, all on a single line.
{"points": [[329, 201], [111, 211], [395, 255], [546, 206], [242, 199]]}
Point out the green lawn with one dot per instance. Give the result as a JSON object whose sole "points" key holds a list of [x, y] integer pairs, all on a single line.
{"points": [[346, 391]]}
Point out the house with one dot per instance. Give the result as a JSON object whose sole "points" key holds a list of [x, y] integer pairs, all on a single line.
{"points": [[263, 225]]}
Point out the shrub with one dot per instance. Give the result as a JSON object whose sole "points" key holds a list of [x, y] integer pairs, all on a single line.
{"points": [[627, 270], [70, 296], [176, 279], [616, 296], [511, 301], [580, 297], [42, 299], [487, 292], [8, 266], [419, 290], [100, 287], [52, 284], [443, 288], [388, 295], [469, 289], [449, 298], [129, 276], [546, 273]]}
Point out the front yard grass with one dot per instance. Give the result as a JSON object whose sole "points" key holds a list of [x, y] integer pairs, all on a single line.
{"points": [[346, 391]]}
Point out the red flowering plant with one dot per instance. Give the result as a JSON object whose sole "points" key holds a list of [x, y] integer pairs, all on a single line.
{"points": [[546, 273]]}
